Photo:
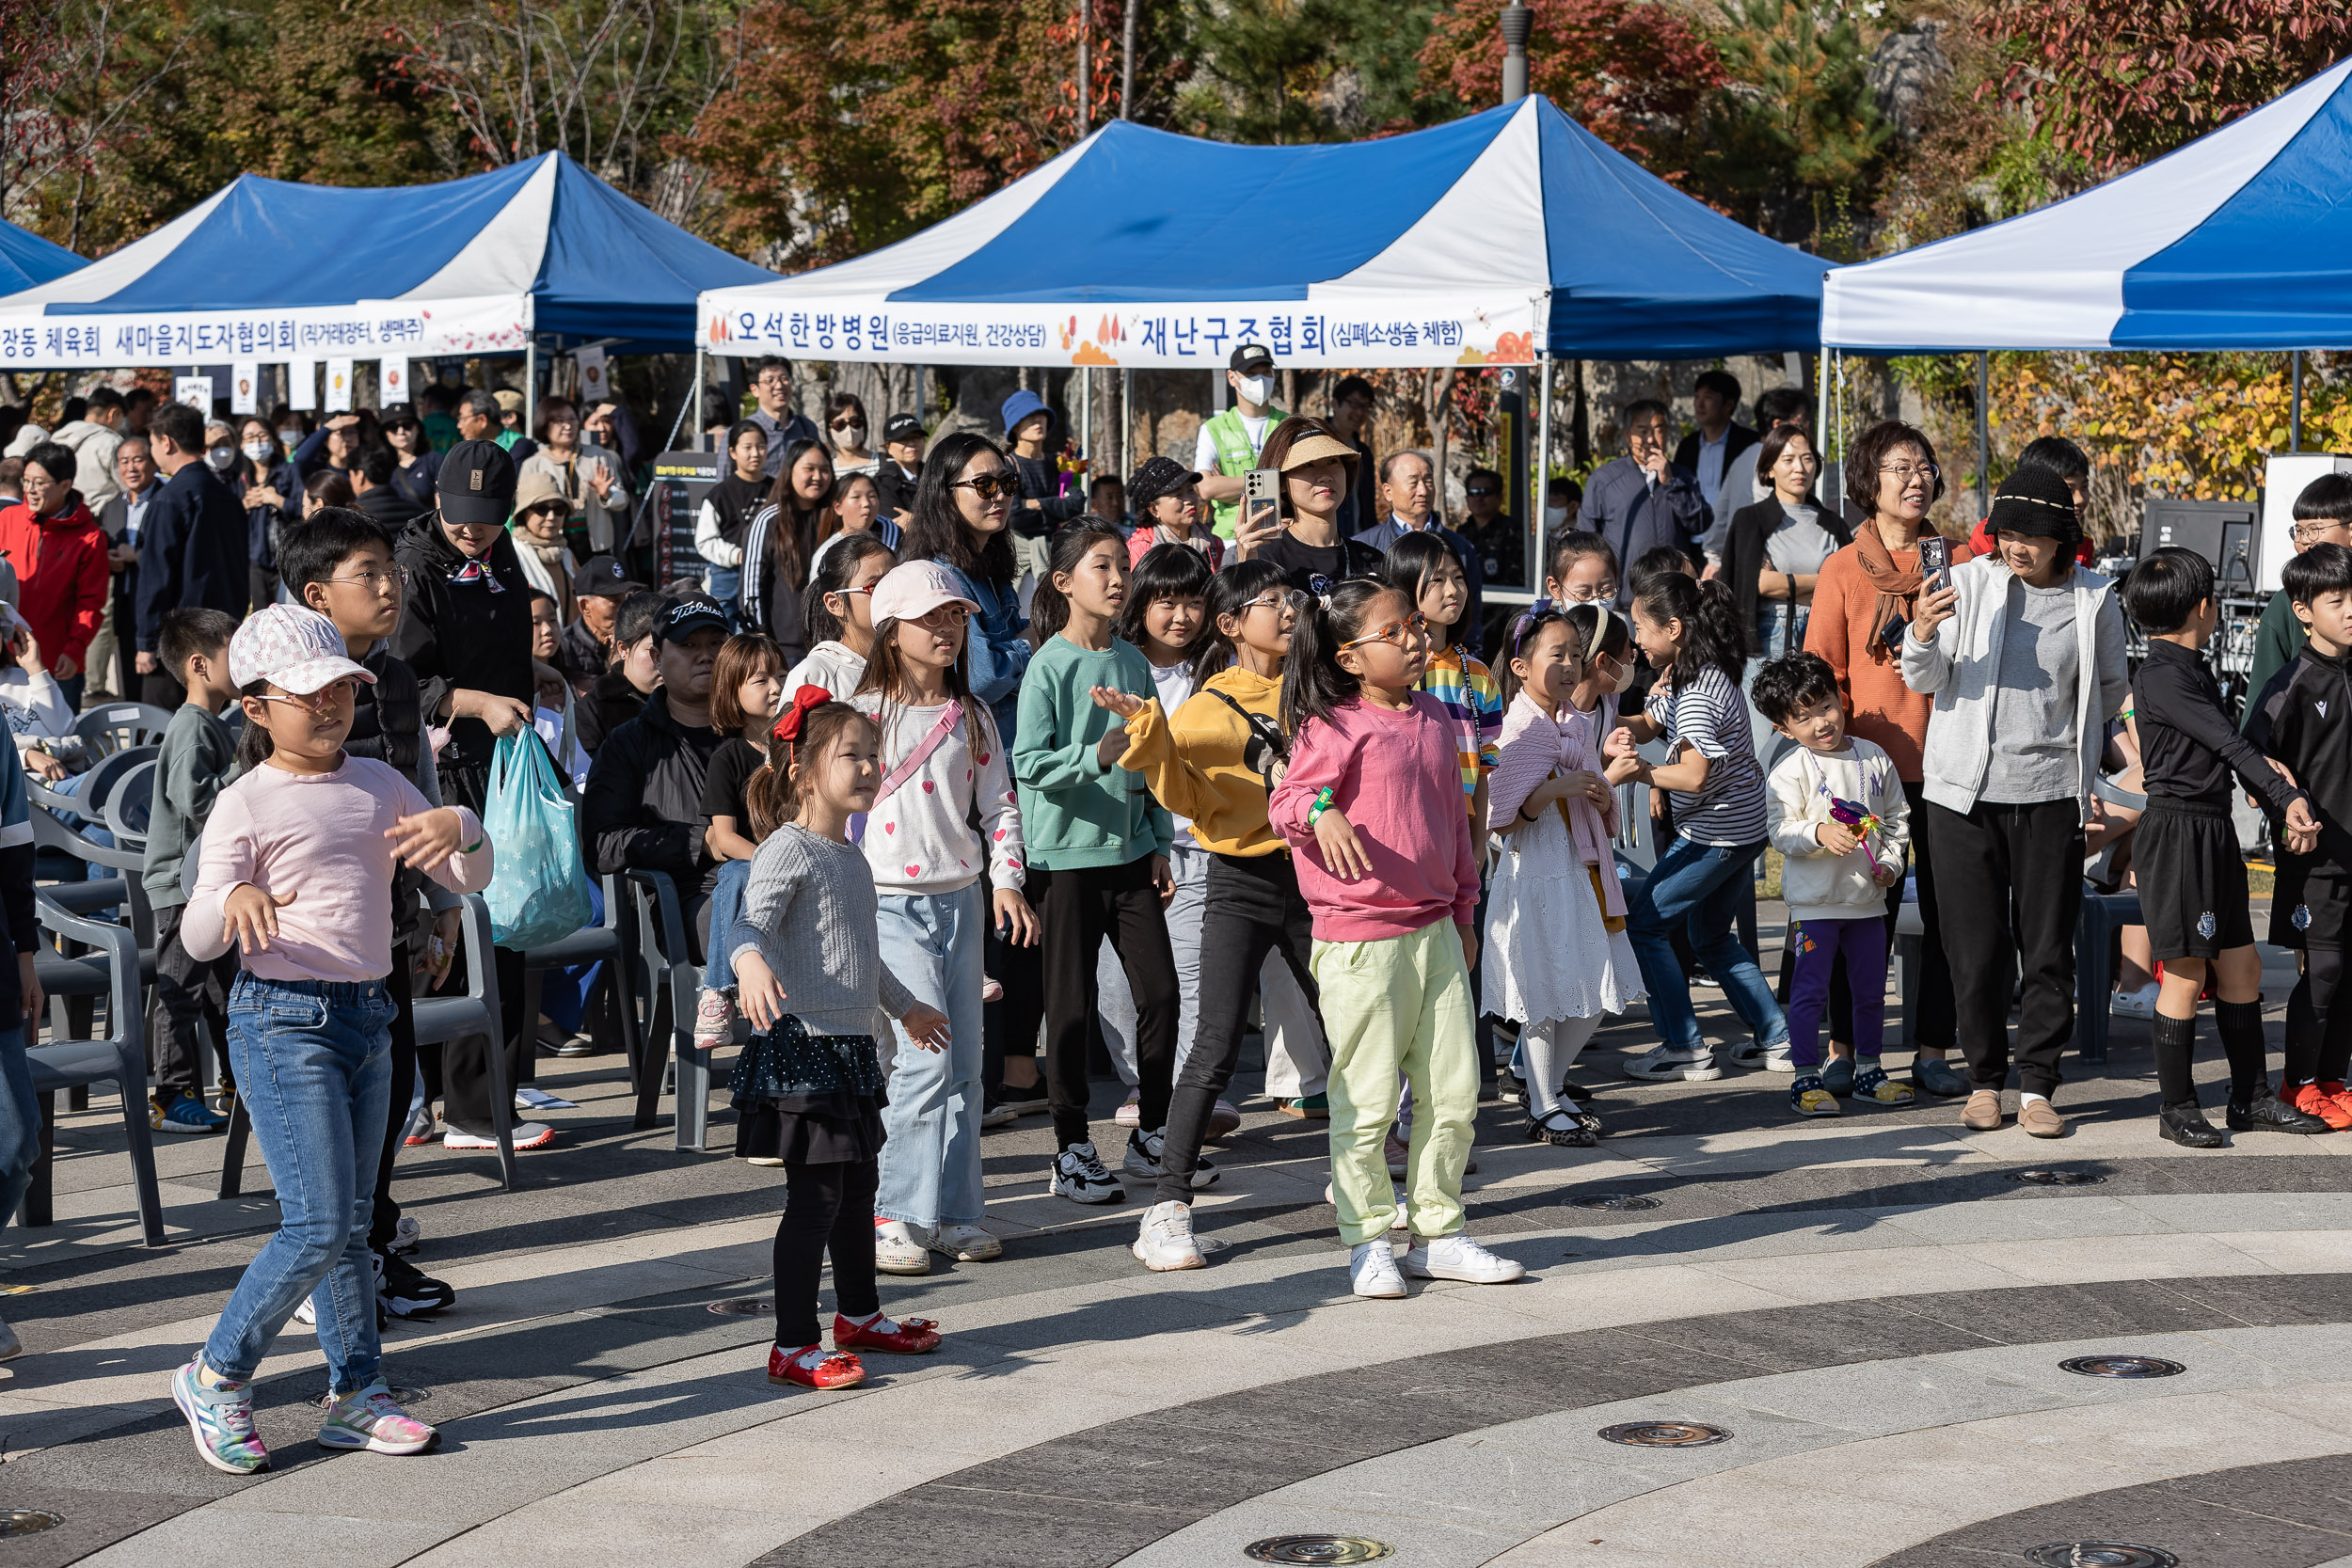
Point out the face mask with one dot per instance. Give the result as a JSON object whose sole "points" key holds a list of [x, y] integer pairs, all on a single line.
{"points": [[852, 434], [1555, 515], [1258, 389], [257, 451], [221, 457], [293, 437]]}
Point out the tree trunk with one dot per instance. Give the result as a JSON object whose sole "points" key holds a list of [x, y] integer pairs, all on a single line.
{"points": [[1437, 394], [1127, 58]]}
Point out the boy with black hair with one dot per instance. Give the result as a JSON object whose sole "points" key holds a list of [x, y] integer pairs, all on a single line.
{"points": [[1842, 824], [2192, 879], [2323, 516], [197, 758], [340, 565], [2303, 718]]}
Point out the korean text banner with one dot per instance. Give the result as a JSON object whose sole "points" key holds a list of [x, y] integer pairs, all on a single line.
{"points": [[1302, 333], [366, 329]]}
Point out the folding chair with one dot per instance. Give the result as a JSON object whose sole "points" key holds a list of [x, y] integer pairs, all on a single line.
{"points": [[119, 1057], [673, 981], [606, 942]]}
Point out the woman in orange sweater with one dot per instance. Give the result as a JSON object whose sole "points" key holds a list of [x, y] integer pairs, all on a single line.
{"points": [[1861, 605]]}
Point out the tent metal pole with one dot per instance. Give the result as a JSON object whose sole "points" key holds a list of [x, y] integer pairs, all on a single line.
{"points": [[2295, 412], [530, 382], [1086, 426], [1539, 492], [694, 400], [1126, 417], [1984, 435], [1824, 434]]}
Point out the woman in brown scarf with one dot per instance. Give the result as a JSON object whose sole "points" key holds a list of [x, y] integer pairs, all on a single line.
{"points": [[1861, 605]]}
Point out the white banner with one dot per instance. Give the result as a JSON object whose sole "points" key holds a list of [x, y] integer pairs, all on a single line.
{"points": [[592, 380], [1302, 334], [392, 381], [338, 385], [195, 392], [244, 386], [302, 385], [368, 329]]}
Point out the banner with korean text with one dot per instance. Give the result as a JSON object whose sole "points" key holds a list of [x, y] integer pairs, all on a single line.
{"points": [[368, 329]]}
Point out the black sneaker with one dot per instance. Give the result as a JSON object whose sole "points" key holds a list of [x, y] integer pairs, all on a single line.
{"points": [[1143, 1159], [405, 1292], [2187, 1125], [2268, 1113]]}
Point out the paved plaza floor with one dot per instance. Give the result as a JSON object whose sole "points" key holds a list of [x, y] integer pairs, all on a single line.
{"points": [[1875, 1310]]}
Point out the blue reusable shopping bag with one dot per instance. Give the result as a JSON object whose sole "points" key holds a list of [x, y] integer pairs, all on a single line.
{"points": [[538, 891]]}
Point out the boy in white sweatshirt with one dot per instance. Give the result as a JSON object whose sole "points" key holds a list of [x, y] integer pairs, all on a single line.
{"points": [[1842, 824]]}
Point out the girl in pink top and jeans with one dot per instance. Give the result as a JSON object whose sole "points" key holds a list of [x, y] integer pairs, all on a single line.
{"points": [[297, 878], [1372, 805]]}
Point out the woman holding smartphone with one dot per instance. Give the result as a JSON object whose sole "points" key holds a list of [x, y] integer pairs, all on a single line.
{"points": [[1317, 470]]}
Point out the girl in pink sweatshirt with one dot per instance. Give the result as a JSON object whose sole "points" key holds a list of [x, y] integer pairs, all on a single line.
{"points": [[1372, 805], [297, 878]]}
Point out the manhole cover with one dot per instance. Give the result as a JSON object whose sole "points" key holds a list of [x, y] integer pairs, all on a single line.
{"points": [[1613, 1202], [1316, 1549], [2099, 1554], [325, 1396], [2123, 1366], [27, 1521], [1665, 1434], [744, 1306], [2056, 1178]]}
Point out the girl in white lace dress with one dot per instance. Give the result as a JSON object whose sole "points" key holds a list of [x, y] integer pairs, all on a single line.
{"points": [[1557, 957]]}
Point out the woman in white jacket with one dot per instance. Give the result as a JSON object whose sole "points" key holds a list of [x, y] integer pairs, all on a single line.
{"points": [[2024, 655]]}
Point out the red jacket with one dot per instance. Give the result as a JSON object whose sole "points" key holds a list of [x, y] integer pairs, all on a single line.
{"points": [[61, 575]]}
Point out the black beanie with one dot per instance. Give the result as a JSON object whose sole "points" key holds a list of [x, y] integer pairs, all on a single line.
{"points": [[2036, 500]]}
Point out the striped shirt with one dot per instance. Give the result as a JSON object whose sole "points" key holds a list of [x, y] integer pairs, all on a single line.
{"points": [[1474, 710], [1712, 716]]}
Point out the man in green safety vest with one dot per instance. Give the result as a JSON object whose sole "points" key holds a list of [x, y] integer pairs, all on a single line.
{"points": [[1229, 443]]}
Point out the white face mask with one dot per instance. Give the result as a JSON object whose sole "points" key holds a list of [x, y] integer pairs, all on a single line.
{"points": [[1555, 515], [291, 435], [852, 436], [257, 451], [1625, 673], [221, 457], [1258, 390]]}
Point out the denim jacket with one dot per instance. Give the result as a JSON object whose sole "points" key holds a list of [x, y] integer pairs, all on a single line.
{"points": [[998, 651]]}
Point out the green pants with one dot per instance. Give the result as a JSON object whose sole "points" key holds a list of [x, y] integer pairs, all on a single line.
{"points": [[1402, 1004]]}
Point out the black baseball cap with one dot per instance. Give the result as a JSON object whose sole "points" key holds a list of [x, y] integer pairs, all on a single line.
{"points": [[397, 413], [1156, 478], [903, 427], [600, 576], [1251, 358], [476, 484], [687, 617]]}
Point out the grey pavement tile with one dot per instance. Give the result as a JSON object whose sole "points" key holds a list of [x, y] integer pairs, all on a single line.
{"points": [[93, 1519], [944, 1527]]}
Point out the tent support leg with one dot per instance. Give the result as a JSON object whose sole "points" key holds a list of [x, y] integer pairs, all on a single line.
{"points": [[1824, 424], [530, 382], [1984, 435], [2295, 412], [1539, 493], [693, 402]]}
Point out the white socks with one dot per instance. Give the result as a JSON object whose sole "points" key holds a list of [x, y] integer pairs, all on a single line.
{"points": [[1551, 1048]]}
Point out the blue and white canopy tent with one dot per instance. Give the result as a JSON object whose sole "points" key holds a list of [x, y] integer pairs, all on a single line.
{"points": [[540, 254], [26, 259], [2240, 240]]}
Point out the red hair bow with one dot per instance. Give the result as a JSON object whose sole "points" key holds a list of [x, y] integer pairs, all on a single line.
{"points": [[806, 701]]}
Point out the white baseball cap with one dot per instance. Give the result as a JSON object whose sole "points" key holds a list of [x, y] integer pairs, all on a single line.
{"points": [[293, 648]]}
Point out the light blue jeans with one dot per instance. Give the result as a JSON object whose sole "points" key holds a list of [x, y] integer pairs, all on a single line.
{"points": [[19, 1121], [724, 584], [727, 906], [314, 1064], [930, 1167], [1698, 885]]}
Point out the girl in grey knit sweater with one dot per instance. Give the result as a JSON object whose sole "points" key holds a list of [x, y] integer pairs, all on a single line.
{"points": [[808, 968]]}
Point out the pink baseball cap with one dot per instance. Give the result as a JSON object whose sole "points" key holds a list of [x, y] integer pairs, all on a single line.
{"points": [[293, 648], [912, 591]]}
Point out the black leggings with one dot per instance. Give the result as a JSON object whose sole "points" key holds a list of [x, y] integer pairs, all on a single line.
{"points": [[1079, 907], [2319, 1032], [830, 1205]]}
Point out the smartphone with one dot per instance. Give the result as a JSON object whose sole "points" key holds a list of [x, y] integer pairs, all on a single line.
{"points": [[1935, 562], [1260, 508]]}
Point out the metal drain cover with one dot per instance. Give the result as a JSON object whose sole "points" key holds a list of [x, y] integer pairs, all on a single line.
{"points": [[27, 1521], [2123, 1366], [2056, 1178], [1665, 1434], [744, 1306], [325, 1396], [1613, 1202], [2099, 1554], [1316, 1549]]}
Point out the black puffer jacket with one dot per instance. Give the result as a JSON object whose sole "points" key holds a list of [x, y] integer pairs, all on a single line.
{"points": [[642, 809], [463, 635], [610, 702]]}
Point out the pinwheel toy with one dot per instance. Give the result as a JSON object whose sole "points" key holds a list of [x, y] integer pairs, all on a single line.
{"points": [[1846, 814]]}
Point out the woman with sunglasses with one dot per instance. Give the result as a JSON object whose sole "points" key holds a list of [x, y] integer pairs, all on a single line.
{"points": [[419, 464], [845, 432]]}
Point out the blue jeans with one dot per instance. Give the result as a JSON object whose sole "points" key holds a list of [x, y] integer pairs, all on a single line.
{"points": [[724, 584], [930, 1167], [314, 1064], [1699, 885], [19, 1121], [726, 904], [564, 992]]}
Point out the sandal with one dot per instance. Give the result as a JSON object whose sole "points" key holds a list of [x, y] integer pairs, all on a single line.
{"points": [[812, 1367], [1574, 1134], [913, 1336]]}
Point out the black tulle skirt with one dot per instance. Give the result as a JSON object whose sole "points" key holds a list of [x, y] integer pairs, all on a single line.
{"points": [[783, 1116]]}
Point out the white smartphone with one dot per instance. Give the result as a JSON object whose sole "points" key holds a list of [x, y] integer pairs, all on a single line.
{"points": [[1260, 505]]}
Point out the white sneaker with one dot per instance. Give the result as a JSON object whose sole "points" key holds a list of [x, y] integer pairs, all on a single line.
{"points": [[1371, 1271], [1163, 1242], [2134, 1004], [1130, 1110], [1079, 1176], [406, 1236], [1778, 1060], [897, 1251], [1665, 1065], [1457, 1257], [524, 1134], [1143, 1159], [966, 1244]]}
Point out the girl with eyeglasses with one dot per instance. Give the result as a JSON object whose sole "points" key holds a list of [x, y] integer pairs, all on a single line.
{"points": [[1370, 805], [1557, 957], [839, 611]]}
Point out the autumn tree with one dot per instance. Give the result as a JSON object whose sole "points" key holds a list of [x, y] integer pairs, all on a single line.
{"points": [[1796, 129]]}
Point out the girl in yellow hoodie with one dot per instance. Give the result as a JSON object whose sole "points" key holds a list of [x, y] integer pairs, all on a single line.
{"points": [[1211, 762]]}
